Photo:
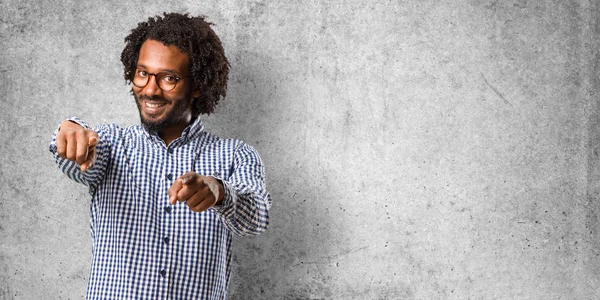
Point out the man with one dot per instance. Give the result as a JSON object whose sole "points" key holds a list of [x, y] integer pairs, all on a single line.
{"points": [[166, 196]]}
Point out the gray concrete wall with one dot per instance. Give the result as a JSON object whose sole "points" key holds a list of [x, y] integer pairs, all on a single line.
{"points": [[414, 149]]}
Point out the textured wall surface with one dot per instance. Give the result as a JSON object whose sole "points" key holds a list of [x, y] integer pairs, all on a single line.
{"points": [[414, 149]]}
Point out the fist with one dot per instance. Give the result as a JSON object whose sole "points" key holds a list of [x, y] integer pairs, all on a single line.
{"points": [[76, 143], [199, 192]]}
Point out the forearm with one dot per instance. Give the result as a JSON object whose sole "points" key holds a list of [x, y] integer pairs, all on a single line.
{"points": [[70, 167], [244, 210]]}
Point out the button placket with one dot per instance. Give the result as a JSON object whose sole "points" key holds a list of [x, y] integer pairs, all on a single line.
{"points": [[170, 169]]}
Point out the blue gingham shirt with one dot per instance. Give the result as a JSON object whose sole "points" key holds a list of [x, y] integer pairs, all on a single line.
{"points": [[145, 248]]}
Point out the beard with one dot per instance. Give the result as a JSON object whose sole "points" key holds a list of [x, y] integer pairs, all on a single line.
{"points": [[177, 114]]}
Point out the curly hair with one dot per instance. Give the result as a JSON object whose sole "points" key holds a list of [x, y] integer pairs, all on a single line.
{"points": [[208, 65]]}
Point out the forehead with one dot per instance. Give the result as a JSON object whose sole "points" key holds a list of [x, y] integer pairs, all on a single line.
{"points": [[156, 57]]}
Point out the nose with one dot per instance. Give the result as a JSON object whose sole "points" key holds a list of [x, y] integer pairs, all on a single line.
{"points": [[151, 87]]}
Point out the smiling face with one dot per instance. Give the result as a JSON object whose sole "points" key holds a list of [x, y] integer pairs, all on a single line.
{"points": [[162, 110]]}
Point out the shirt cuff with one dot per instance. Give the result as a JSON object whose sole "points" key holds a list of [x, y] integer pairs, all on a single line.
{"points": [[228, 197], [78, 121]]}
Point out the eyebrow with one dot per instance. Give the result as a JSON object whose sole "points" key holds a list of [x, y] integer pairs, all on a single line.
{"points": [[161, 70]]}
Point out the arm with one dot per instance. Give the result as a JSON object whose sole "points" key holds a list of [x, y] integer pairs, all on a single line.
{"points": [[241, 201], [246, 203], [79, 152]]}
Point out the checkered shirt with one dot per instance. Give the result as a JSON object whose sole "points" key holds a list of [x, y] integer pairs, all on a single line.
{"points": [[145, 248]]}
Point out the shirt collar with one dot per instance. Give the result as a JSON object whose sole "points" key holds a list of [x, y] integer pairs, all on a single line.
{"points": [[192, 131]]}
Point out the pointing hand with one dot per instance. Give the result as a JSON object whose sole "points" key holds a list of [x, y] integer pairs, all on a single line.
{"points": [[76, 143], [199, 192]]}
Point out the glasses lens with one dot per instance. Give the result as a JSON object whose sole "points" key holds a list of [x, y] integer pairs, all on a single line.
{"points": [[166, 81], [139, 80]]}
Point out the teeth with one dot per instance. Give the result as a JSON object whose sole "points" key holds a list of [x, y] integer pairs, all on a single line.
{"points": [[154, 105]]}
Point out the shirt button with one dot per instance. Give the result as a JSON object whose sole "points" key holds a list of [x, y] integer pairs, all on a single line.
{"points": [[168, 209], [170, 151], [170, 176], [166, 240], [163, 273]]}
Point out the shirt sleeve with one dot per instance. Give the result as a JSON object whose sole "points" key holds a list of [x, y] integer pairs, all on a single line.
{"points": [[246, 203], [94, 175]]}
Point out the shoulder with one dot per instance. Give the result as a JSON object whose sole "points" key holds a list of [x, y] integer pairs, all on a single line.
{"points": [[212, 141], [114, 132], [239, 150], [227, 146]]}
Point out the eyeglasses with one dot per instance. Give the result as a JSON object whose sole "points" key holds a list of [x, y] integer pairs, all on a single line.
{"points": [[166, 81]]}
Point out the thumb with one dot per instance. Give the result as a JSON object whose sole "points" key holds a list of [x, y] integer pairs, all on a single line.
{"points": [[91, 153], [93, 141], [173, 190], [91, 159]]}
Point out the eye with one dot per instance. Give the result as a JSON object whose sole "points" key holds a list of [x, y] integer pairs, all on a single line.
{"points": [[169, 78], [142, 73]]}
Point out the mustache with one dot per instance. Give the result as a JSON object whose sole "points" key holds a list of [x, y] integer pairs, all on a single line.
{"points": [[152, 98]]}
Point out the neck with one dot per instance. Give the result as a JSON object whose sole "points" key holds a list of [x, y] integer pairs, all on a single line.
{"points": [[173, 131]]}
